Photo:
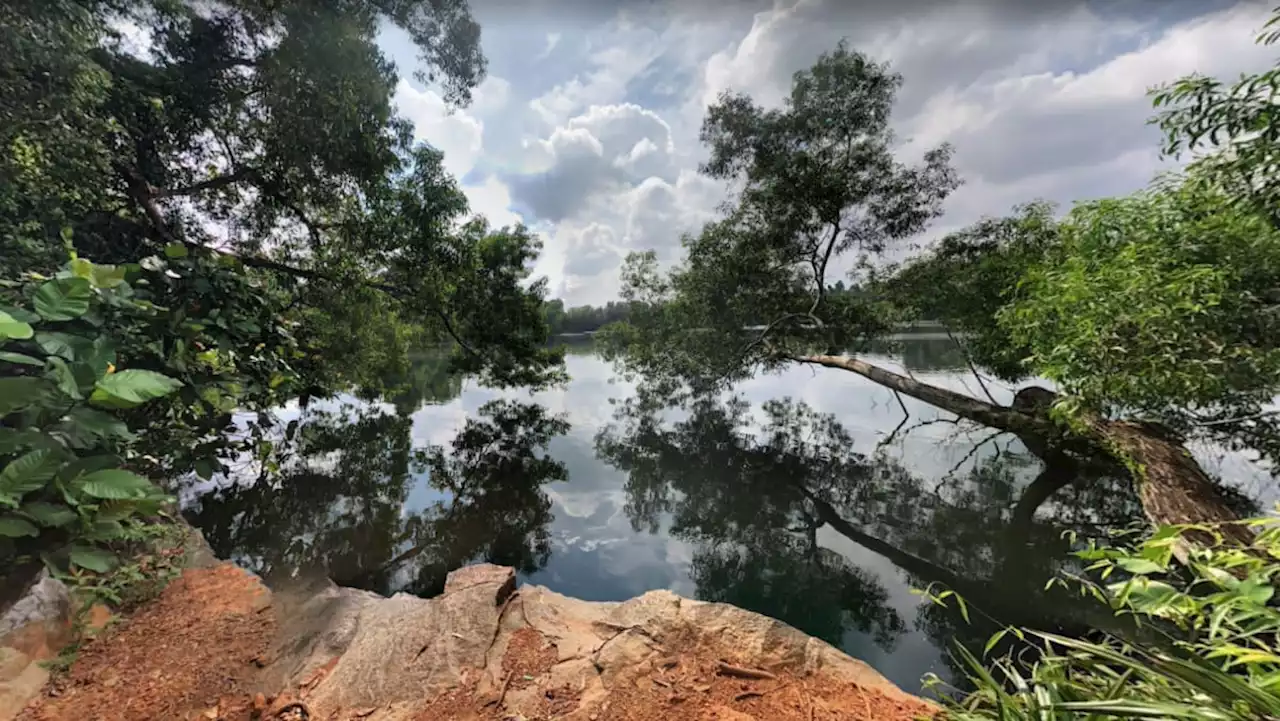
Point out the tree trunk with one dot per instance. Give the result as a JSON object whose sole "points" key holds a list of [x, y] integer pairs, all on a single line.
{"points": [[988, 414], [1174, 489]]}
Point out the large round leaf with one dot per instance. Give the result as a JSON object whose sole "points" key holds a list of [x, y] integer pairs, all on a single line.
{"points": [[63, 298], [12, 526], [10, 327], [94, 559], [129, 388], [29, 472], [113, 483], [51, 515], [22, 392]]}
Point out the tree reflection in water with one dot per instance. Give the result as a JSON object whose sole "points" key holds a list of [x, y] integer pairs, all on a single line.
{"points": [[332, 498], [753, 495]]}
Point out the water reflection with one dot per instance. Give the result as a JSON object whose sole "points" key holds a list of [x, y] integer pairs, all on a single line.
{"points": [[333, 498], [753, 496], [778, 501]]}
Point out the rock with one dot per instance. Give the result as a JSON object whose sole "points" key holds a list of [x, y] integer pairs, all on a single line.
{"points": [[39, 623], [18, 691], [394, 652], [501, 578], [12, 662]]}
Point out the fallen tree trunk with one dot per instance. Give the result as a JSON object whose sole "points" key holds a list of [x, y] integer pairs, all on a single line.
{"points": [[1174, 489]]}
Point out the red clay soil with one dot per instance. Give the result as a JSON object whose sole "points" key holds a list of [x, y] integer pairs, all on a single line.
{"points": [[176, 658], [689, 684]]}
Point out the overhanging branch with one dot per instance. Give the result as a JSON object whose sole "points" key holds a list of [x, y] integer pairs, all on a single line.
{"points": [[145, 195]]}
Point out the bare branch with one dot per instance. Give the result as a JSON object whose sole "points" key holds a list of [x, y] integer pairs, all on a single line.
{"points": [[972, 369]]}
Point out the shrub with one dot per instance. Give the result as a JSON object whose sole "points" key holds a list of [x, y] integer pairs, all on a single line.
{"points": [[65, 488], [1204, 646]]}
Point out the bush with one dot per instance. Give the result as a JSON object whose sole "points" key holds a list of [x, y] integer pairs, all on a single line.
{"points": [[65, 491], [1205, 646]]}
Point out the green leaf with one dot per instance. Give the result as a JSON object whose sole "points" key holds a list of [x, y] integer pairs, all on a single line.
{"points": [[70, 471], [20, 358], [108, 276], [19, 393], [11, 327], [12, 526], [62, 376], [104, 530], [20, 314], [101, 356], [1139, 566], [129, 388], [63, 298], [117, 510], [81, 268], [12, 439], [28, 472], [50, 515], [85, 425], [94, 559], [175, 250], [1257, 593], [64, 345], [114, 483]]}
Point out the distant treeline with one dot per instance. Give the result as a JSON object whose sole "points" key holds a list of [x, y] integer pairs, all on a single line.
{"points": [[588, 318]]}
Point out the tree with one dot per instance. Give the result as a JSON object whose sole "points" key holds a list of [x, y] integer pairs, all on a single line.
{"points": [[288, 263], [817, 182]]}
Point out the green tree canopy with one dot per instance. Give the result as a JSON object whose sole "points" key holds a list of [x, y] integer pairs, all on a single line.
{"points": [[264, 138], [244, 165], [816, 181]]}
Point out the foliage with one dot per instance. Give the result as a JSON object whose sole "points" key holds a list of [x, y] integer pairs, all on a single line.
{"points": [[64, 447], [152, 555], [164, 137], [1213, 653], [1233, 127], [1161, 303], [818, 184], [967, 277], [1157, 306], [584, 318]]}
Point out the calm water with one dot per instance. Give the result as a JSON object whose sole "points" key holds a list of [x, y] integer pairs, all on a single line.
{"points": [[800, 510]]}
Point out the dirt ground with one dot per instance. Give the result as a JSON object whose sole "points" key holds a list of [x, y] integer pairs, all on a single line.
{"points": [[194, 653], [175, 658], [688, 684]]}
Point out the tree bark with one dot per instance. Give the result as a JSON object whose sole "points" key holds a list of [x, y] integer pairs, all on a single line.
{"points": [[1174, 489]]}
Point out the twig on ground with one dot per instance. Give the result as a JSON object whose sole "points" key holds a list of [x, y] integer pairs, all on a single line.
{"points": [[727, 669]]}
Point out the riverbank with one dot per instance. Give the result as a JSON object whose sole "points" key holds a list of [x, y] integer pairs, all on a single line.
{"points": [[217, 644]]}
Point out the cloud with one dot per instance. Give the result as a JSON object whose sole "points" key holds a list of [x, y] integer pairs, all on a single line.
{"points": [[595, 142], [604, 150], [454, 132]]}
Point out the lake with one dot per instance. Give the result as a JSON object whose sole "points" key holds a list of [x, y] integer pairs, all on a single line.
{"points": [[812, 511]]}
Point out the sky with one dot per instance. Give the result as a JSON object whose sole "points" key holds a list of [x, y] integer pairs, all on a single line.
{"points": [[586, 128]]}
